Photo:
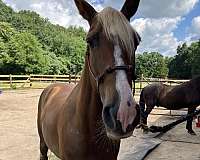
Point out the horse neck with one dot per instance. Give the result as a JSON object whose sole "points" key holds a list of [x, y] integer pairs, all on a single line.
{"points": [[89, 98], [90, 111]]}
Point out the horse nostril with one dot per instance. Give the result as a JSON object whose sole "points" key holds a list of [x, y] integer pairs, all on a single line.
{"points": [[108, 117]]}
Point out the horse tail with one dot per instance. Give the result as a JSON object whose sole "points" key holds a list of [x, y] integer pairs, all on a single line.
{"points": [[143, 115], [39, 115], [142, 102], [43, 146], [41, 103]]}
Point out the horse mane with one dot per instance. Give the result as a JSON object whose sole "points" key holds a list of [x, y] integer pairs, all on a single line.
{"points": [[118, 28]]}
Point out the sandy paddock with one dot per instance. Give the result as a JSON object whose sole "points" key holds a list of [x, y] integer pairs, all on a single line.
{"points": [[19, 139]]}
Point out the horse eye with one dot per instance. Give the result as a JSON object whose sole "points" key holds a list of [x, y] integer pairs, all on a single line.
{"points": [[90, 44], [93, 42]]}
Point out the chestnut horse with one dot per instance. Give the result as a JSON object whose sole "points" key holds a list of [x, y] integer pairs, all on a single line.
{"points": [[87, 122], [186, 95]]}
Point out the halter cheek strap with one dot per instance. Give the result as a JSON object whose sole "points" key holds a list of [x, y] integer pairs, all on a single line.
{"points": [[99, 78]]}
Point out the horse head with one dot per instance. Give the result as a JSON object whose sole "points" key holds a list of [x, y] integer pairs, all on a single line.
{"points": [[112, 43]]}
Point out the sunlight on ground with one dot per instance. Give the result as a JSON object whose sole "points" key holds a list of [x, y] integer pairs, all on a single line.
{"points": [[53, 157]]}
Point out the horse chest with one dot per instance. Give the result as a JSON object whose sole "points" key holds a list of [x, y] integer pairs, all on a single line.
{"points": [[82, 150], [79, 146], [87, 157]]}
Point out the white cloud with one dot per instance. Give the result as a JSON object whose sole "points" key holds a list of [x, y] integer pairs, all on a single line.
{"points": [[62, 12], [11, 4], [160, 18], [165, 8], [193, 31], [195, 28], [157, 34], [58, 14]]}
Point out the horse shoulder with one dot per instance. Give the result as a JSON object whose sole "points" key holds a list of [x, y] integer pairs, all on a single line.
{"points": [[54, 98], [163, 92], [152, 93]]}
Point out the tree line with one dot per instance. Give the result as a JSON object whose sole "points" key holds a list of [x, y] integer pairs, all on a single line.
{"points": [[184, 65], [30, 44]]}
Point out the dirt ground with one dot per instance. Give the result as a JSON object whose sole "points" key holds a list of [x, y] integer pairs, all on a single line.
{"points": [[19, 138], [18, 133]]}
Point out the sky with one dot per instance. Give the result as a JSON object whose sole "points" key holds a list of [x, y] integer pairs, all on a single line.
{"points": [[162, 24]]}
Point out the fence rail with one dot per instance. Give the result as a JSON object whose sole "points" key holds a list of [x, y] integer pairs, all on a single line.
{"points": [[55, 78], [42, 81], [19, 81], [24, 81]]}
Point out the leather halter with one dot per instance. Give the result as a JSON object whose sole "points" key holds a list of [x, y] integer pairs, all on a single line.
{"points": [[110, 69]]}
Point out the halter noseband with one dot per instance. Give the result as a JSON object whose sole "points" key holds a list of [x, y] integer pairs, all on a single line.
{"points": [[99, 79]]}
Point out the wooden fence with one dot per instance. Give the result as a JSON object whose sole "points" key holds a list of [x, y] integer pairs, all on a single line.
{"points": [[21, 81], [42, 81], [24, 81]]}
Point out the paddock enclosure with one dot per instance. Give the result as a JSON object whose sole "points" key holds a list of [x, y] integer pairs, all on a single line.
{"points": [[19, 139]]}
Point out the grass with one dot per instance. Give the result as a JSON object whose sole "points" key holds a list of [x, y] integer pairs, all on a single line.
{"points": [[41, 85], [34, 85]]}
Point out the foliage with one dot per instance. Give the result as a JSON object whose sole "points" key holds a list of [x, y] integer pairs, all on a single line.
{"points": [[31, 44], [5, 12], [20, 52], [186, 63], [151, 65]]}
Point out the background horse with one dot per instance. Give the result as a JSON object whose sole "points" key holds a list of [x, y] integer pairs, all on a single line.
{"points": [[186, 95], [88, 121]]}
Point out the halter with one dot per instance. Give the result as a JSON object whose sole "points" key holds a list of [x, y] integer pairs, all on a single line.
{"points": [[110, 69]]}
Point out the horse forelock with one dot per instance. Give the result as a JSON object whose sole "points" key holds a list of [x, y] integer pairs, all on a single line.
{"points": [[118, 29]]}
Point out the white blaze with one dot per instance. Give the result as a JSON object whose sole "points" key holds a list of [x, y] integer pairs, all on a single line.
{"points": [[126, 114]]}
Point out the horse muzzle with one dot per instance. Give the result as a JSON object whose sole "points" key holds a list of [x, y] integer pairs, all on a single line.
{"points": [[113, 126]]}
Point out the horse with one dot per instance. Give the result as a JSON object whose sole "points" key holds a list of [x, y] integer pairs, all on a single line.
{"points": [[87, 121], [185, 95]]}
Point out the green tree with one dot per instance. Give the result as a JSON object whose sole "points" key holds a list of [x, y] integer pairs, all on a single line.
{"points": [[6, 12], [61, 49], [186, 63], [151, 65], [180, 66], [20, 53], [195, 47]]}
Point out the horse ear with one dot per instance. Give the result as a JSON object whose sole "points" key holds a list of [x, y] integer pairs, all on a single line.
{"points": [[129, 8], [85, 9]]}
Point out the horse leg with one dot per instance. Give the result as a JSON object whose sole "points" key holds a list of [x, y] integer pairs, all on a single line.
{"points": [[145, 116], [142, 114], [189, 121], [43, 146], [43, 150]]}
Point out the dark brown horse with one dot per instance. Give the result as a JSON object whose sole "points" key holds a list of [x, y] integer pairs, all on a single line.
{"points": [[186, 95], [87, 122]]}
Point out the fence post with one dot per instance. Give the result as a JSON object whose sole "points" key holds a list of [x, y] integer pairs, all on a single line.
{"points": [[54, 78], [141, 81], [70, 78], [75, 79], [10, 77], [170, 112], [30, 80]]}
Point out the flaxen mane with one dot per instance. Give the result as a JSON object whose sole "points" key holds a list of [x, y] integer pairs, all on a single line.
{"points": [[115, 25]]}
